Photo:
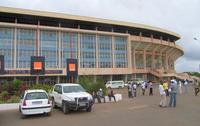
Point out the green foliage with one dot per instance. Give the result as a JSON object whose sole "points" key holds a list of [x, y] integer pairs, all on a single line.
{"points": [[90, 84], [4, 96], [197, 74], [13, 99], [5, 86], [86, 82], [16, 84], [45, 87]]}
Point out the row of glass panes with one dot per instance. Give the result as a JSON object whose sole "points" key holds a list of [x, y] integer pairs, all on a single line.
{"points": [[27, 37]]}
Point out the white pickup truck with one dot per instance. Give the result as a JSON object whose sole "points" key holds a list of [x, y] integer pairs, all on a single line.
{"points": [[70, 96]]}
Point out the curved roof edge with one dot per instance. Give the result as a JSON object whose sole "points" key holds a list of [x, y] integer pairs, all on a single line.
{"points": [[84, 18]]}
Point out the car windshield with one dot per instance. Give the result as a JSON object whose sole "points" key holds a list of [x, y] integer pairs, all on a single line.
{"points": [[36, 95], [71, 89]]}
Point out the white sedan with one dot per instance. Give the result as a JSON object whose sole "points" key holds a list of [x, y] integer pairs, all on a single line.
{"points": [[35, 102]]}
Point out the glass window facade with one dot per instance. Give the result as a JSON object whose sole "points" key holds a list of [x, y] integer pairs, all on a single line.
{"points": [[6, 45], [69, 46], [88, 51], [26, 47], [48, 47], [120, 44], [105, 51]]}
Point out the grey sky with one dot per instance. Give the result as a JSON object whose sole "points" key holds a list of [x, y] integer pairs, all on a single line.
{"points": [[180, 16]]}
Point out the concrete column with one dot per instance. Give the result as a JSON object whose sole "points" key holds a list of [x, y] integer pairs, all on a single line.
{"points": [[153, 60], [79, 45], [97, 52], [144, 58], [38, 41], [58, 80], [166, 62], [134, 62], [111, 77], [113, 52], [129, 58], [145, 77], [126, 78]]}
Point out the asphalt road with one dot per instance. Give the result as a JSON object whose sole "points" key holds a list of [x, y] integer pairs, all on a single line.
{"points": [[139, 111]]}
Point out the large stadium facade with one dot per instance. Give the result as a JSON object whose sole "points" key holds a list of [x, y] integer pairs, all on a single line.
{"points": [[114, 50]]}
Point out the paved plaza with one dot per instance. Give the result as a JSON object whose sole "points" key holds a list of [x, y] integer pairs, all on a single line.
{"points": [[139, 111]]}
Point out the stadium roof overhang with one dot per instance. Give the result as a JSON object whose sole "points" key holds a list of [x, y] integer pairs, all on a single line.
{"points": [[89, 23]]}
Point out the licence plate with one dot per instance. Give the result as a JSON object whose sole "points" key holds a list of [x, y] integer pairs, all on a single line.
{"points": [[37, 102], [82, 104]]}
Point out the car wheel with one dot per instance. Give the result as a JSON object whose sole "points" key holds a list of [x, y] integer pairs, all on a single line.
{"points": [[89, 109], [65, 108], [23, 116], [48, 114]]}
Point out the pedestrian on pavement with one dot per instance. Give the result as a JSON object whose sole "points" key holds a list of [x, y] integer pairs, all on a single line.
{"points": [[111, 94], [134, 87], [143, 86], [163, 95], [150, 88], [196, 87], [186, 86], [173, 92], [180, 86], [166, 88], [130, 90]]}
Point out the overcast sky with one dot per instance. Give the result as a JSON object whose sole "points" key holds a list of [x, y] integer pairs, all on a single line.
{"points": [[180, 16]]}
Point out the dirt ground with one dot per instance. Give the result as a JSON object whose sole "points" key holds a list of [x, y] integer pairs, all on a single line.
{"points": [[139, 111]]}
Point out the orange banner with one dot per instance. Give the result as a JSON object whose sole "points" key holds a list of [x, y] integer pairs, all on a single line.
{"points": [[37, 65]]}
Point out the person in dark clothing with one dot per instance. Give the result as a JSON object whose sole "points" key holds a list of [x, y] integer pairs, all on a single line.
{"points": [[111, 94], [94, 96], [150, 88], [196, 87]]}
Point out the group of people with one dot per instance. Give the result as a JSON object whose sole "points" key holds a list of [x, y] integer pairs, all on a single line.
{"points": [[166, 89], [171, 89], [100, 95], [132, 88]]}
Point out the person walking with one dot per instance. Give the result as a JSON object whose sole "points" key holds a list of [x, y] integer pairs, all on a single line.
{"points": [[196, 87], [134, 89], [143, 86], [130, 91], [150, 88], [163, 95], [186, 86], [180, 86], [173, 92]]}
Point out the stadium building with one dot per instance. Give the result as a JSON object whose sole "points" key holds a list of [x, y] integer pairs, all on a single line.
{"points": [[115, 50]]}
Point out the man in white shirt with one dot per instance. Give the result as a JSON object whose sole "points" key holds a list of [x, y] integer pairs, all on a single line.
{"points": [[143, 88], [163, 95]]}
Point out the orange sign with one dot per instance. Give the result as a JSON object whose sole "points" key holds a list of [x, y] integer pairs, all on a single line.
{"points": [[37, 65], [72, 67]]}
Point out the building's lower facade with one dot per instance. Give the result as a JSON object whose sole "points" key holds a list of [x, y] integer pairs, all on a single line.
{"points": [[112, 49]]}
